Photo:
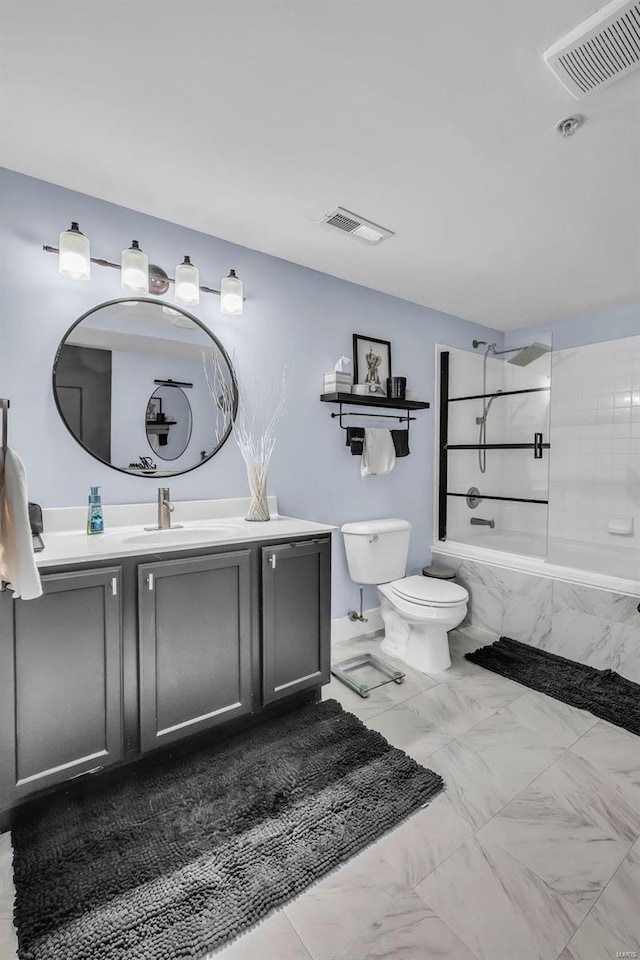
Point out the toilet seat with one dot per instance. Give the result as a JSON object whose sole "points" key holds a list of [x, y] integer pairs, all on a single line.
{"points": [[429, 592]]}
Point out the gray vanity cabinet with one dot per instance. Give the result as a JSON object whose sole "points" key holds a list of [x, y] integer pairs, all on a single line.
{"points": [[296, 617], [113, 662], [60, 681], [195, 644]]}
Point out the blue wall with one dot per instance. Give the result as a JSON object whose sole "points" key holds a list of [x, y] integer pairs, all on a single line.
{"points": [[293, 315], [596, 326]]}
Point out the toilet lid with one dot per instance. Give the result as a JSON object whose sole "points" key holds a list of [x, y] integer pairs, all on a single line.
{"points": [[437, 593]]}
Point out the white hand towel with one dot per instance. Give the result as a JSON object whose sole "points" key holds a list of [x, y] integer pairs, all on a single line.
{"points": [[378, 455], [17, 562]]}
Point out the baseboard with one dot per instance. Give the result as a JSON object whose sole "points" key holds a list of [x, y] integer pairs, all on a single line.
{"points": [[344, 629]]}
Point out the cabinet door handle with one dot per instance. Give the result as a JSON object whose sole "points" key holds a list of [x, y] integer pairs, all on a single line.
{"points": [[150, 581], [114, 586], [272, 561]]}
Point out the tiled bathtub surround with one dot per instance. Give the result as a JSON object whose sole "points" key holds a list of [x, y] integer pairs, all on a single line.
{"points": [[594, 472], [596, 627]]}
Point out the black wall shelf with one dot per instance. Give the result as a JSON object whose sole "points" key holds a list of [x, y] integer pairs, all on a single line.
{"points": [[175, 383], [372, 400]]}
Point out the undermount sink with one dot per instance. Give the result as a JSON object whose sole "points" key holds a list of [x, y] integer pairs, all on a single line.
{"points": [[188, 534]]}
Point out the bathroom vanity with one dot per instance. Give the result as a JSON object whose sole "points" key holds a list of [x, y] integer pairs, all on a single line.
{"points": [[143, 638]]}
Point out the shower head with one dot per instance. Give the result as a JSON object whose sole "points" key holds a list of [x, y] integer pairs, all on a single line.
{"points": [[484, 343], [527, 355]]}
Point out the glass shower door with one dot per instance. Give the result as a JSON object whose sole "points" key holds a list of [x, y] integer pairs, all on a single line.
{"points": [[494, 446]]}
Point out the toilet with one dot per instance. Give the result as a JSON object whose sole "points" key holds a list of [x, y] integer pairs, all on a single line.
{"points": [[417, 612]]}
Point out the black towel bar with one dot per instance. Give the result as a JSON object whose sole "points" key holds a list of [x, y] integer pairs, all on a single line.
{"points": [[389, 416]]}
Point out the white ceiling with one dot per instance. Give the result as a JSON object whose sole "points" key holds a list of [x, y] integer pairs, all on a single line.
{"points": [[249, 119]]}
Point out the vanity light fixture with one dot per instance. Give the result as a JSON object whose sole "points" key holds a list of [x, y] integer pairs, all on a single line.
{"points": [[138, 276], [74, 258], [187, 283], [231, 299], [134, 269]]}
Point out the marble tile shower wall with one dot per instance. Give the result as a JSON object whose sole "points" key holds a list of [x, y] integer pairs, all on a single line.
{"points": [[595, 438], [592, 626]]}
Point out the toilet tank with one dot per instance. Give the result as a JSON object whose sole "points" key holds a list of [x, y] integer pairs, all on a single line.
{"points": [[376, 549]]}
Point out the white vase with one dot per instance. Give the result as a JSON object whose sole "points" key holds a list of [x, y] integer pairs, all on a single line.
{"points": [[257, 476]]}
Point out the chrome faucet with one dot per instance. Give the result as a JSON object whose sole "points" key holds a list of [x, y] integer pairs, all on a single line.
{"points": [[479, 522], [165, 509]]}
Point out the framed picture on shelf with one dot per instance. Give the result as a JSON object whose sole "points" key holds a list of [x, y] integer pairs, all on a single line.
{"points": [[371, 362], [154, 408]]}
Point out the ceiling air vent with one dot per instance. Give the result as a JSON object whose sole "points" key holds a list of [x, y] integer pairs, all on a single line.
{"points": [[356, 226], [602, 49]]}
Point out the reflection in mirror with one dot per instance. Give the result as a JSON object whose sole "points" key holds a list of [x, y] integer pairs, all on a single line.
{"points": [[168, 421], [142, 355]]}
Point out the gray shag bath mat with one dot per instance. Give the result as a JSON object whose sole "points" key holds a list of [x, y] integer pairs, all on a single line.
{"points": [[604, 693], [173, 859]]}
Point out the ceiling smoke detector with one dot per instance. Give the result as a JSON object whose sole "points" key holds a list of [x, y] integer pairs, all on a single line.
{"points": [[602, 49], [568, 125], [356, 226]]}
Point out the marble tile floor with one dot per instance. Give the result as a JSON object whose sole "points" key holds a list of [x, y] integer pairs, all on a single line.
{"points": [[531, 853]]}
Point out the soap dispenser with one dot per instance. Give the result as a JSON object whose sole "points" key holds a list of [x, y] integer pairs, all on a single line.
{"points": [[95, 520]]}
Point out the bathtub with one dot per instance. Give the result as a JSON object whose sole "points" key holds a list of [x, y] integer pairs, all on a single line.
{"points": [[592, 564], [580, 602]]}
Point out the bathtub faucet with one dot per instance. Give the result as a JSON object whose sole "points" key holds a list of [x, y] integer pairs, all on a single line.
{"points": [[479, 522]]}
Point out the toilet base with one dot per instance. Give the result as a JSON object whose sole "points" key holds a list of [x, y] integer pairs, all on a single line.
{"points": [[421, 644], [426, 648]]}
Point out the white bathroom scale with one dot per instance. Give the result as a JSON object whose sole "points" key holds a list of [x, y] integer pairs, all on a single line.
{"points": [[365, 673]]}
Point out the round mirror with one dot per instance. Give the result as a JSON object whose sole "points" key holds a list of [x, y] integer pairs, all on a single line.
{"points": [[145, 387], [168, 421]]}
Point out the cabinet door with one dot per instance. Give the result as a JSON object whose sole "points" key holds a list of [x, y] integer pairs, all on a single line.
{"points": [[60, 682], [296, 617], [195, 645]]}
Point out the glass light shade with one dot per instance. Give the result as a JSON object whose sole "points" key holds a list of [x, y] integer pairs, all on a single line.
{"points": [[231, 295], [134, 269], [187, 283], [74, 257]]}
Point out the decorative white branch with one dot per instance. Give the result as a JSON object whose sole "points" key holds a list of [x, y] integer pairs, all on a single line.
{"points": [[254, 425], [220, 386]]}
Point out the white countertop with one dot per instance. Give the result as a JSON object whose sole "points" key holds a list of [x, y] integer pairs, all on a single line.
{"points": [[204, 523]]}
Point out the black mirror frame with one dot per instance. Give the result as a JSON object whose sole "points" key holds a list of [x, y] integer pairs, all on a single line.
{"points": [[190, 316]]}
